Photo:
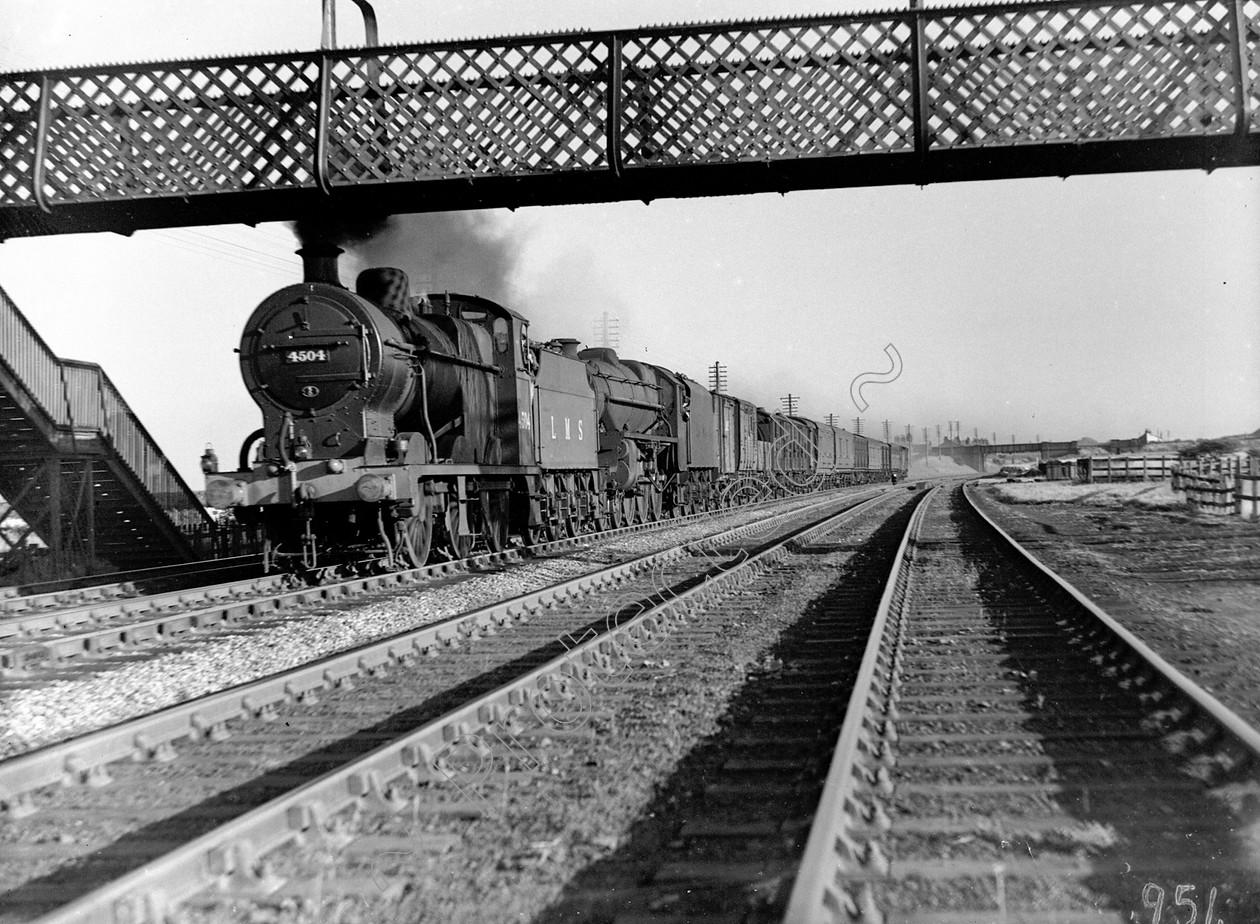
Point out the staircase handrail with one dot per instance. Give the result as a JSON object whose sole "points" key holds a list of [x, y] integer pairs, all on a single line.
{"points": [[32, 362]]}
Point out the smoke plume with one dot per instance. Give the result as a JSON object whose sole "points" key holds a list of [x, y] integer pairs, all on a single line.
{"points": [[478, 253], [340, 228], [472, 253]]}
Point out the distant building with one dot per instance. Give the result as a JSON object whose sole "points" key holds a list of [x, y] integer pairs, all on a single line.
{"points": [[1118, 446]]}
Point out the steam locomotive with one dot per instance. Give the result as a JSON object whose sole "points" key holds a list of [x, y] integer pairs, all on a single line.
{"points": [[397, 427]]}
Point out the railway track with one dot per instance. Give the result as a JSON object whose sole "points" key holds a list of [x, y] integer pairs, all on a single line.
{"points": [[721, 839], [485, 672], [51, 595], [137, 663], [51, 631], [55, 628], [1011, 754], [42, 638]]}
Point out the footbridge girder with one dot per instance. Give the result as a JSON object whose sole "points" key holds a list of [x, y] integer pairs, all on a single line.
{"points": [[914, 96], [974, 454]]}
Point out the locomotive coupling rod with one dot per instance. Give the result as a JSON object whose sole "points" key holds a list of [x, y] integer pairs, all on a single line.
{"points": [[423, 353]]}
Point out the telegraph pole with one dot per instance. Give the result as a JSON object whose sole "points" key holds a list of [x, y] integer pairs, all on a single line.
{"points": [[789, 403], [857, 425], [831, 420], [717, 378], [887, 431], [607, 332]]}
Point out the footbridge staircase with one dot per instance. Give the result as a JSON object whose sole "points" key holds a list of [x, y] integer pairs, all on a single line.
{"points": [[80, 470]]}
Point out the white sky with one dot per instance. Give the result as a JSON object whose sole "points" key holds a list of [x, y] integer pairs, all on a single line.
{"points": [[1092, 306]]}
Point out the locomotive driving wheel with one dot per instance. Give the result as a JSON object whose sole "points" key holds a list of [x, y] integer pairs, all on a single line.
{"points": [[456, 546], [562, 525], [654, 505], [570, 526], [415, 539], [568, 510], [603, 515], [494, 519]]}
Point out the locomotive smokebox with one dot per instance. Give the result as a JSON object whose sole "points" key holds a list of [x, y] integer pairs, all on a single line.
{"points": [[319, 262]]}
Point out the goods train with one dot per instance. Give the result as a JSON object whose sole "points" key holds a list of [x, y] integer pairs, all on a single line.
{"points": [[395, 427]]}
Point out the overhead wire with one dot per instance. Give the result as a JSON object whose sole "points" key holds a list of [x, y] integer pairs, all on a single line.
{"points": [[272, 233], [242, 256], [202, 240], [228, 258], [286, 260]]}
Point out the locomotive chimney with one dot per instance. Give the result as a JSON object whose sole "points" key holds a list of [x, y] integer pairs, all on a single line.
{"points": [[319, 262], [567, 347]]}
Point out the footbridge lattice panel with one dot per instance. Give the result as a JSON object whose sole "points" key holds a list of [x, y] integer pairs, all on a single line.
{"points": [[915, 95]]}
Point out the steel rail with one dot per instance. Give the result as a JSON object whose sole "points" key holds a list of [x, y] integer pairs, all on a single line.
{"points": [[116, 602], [856, 757], [94, 627], [231, 851], [27, 597], [37, 602], [13, 602], [1221, 714], [863, 751], [84, 758]]}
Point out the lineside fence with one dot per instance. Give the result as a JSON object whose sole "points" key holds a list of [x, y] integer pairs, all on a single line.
{"points": [[1221, 487], [1112, 469]]}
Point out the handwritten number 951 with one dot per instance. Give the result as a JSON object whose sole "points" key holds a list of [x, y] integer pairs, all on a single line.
{"points": [[1153, 898]]}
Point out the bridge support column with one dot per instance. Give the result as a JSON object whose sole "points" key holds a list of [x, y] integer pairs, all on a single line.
{"points": [[65, 522], [50, 529]]}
